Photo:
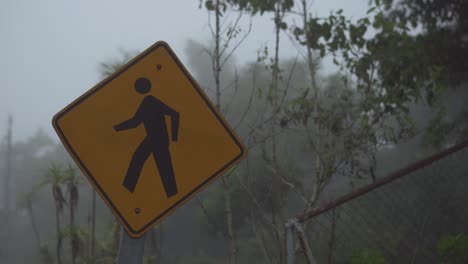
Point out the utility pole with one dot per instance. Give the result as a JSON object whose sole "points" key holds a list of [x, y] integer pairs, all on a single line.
{"points": [[8, 164], [9, 160]]}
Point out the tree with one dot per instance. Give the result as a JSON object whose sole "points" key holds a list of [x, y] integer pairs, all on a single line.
{"points": [[220, 55], [72, 181], [109, 67], [382, 77], [442, 27], [276, 92], [27, 202], [56, 179]]}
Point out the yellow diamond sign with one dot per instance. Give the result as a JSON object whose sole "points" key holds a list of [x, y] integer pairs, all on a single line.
{"points": [[148, 138]]}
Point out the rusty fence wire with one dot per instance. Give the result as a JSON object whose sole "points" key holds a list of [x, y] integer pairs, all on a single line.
{"points": [[416, 215]]}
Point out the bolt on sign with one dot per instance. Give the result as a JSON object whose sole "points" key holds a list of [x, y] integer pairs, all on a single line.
{"points": [[148, 138]]}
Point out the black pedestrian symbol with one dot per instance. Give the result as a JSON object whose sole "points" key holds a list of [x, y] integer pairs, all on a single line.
{"points": [[152, 114]]}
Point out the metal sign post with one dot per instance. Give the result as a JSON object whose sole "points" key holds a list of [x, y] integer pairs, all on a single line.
{"points": [[130, 249]]}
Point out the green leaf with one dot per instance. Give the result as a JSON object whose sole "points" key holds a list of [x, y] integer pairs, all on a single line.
{"points": [[370, 10], [335, 61], [209, 5], [283, 25]]}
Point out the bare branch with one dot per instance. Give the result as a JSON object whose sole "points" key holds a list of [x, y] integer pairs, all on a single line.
{"points": [[208, 52], [236, 89], [296, 45], [288, 184], [231, 35], [210, 219], [225, 20], [256, 203], [249, 104], [283, 99], [238, 43], [260, 239], [210, 25]]}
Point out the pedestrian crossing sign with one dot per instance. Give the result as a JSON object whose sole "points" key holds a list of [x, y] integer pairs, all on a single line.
{"points": [[148, 138]]}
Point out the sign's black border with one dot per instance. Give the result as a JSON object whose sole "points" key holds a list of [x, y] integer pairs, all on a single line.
{"points": [[55, 123]]}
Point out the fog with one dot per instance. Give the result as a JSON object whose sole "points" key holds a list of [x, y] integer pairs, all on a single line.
{"points": [[354, 98], [51, 49]]}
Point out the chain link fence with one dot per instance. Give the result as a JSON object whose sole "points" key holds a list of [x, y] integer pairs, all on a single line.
{"points": [[416, 215]]}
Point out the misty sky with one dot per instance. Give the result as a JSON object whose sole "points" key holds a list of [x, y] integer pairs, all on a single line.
{"points": [[51, 49]]}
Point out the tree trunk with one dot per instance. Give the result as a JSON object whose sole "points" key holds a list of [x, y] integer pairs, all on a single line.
{"points": [[73, 238], [33, 225], [225, 182], [59, 236], [7, 185], [310, 59], [274, 102]]}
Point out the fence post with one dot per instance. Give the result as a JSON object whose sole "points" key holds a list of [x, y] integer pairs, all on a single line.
{"points": [[304, 243]]}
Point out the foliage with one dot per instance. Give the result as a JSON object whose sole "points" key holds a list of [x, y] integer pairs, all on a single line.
{"points": [[384, 74], [441, 28], [323, 131], [262, 6], [453, 249], [78, 237], [108, 68], [368, 256], [55, 178], [443, 32], [253, 6], [391, 81], [46, 255], [215, 207]]}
